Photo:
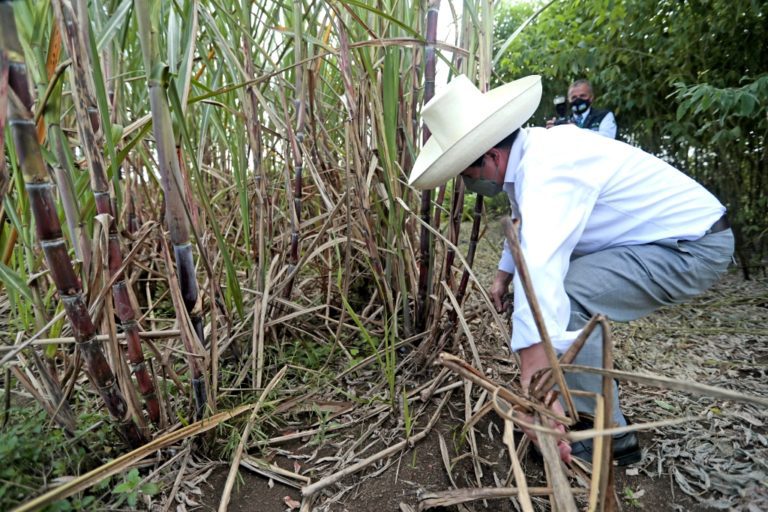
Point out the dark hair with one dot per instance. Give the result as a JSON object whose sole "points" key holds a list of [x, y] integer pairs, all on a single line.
{"points": [[504, 143]]}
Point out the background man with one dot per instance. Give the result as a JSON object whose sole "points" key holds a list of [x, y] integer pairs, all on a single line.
{"points": [[605, 227], [584, 115]]}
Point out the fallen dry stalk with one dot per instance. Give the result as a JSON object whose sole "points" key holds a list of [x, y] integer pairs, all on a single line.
{"points": [[466, 371], [669, 383], [580, 435], [561, 489], [274, 471], [454, 497], [354, 468]]}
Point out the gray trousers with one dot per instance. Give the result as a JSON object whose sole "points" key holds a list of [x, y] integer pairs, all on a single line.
{"points": [[626, 283]]}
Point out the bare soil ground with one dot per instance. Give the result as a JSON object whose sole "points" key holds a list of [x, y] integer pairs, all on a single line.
{"points": [[719, 461]]}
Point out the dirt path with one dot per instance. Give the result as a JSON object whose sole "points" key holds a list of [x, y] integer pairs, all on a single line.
{"points": [[718, 462]]}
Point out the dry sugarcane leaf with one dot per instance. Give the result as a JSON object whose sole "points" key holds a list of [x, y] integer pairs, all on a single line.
{"points": [[517, 469], [470, 433], [561, 489], [685, 486], [274, 472], [331, 479], [510, 227], [749, 418], [446, 458], [600, 496]]}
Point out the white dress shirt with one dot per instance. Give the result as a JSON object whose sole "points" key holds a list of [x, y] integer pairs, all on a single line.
{"points": [[577, 192]]}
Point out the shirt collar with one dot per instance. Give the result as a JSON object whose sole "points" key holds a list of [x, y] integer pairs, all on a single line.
{"points": [[515, 155]]}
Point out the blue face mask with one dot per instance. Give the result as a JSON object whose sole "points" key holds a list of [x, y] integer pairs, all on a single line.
{"points": [[580, 105], [482, 186]]}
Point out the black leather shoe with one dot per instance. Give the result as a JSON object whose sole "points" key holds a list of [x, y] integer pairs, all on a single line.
{"points": [[626, 448]]}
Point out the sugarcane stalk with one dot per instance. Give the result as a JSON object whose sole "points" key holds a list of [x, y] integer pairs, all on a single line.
{"points": [[50, 391], [250, 110], [258, 245], [457, 207], [296, 139], [75, 35], [63, 172], [170, 173], [5, 180], [426, 261], [429, 88], [473, 238], [40, 191]]}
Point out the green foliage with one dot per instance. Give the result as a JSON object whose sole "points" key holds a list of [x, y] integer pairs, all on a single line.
{"points": [[684, 78], [131, 487], [324, 425], [631, 497], [407, 419], [34, 453]]}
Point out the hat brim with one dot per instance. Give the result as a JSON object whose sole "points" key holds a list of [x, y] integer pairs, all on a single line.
{"points": [[512, 105]]}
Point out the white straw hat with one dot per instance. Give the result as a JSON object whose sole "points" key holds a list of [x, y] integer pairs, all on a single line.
{"points": [[466, 123]]}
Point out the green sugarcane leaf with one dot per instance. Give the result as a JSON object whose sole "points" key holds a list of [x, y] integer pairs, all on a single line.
{"points": [[386, 16], [115, 23], [50, 350], [121, 156], [12, 203], [14, 282], [189, 38], [106, 123]]}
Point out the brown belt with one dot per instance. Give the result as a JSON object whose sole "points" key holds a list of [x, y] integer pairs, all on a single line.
{"points": [[720, 224]]}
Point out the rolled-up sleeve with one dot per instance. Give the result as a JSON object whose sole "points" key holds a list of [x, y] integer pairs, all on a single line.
{"points": [[507, 261]]}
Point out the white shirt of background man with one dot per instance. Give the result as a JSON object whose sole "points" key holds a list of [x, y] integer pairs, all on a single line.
{"points": [[607, 125]]}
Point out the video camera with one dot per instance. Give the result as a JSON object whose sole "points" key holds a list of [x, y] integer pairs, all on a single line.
{"points": [[561, 110]]}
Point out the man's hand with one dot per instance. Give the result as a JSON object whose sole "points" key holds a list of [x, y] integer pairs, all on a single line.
{"points": [[551, 122], [499, 289], [533, 359], [562, 445]]}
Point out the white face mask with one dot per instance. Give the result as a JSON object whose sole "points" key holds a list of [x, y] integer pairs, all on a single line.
{"points": [[482, 186]]}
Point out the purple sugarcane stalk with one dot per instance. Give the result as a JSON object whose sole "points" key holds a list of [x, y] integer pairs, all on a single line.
{"points": [[88, 122], [172, 182], [426, 261], [473, 237], [40, 191]]}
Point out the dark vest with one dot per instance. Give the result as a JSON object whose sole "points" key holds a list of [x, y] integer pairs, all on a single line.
{"points": [[593, 120]]}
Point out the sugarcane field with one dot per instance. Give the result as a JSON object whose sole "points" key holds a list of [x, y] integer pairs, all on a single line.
{"points": [[367, 256]]}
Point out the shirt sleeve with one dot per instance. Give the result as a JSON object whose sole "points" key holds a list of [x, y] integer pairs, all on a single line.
{"points": [[550, 230], [608, 126], [507, 261]]}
